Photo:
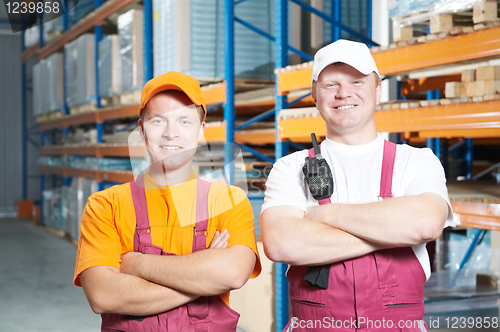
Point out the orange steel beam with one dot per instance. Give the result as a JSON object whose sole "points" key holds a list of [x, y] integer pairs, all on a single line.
{"points": [[294, 80], [57, 150], [427, 83], [471, 46], [111, 7], [216, 134], [468, 133], [51, 170], [480, 115], [59, 123], [121, 151], [300, 129], [259, 138], [81, 150], [28, 53], [120, 177], [215, 95], [79, 172], [122, 112], [438, 121], [80, 119], [478, 215], [53, 46]]}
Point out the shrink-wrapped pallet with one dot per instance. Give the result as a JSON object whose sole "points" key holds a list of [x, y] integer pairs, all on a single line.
{"points": [[37, 90], [52, 77], [76, 205], [80, 71], [188, 36], [109, 66], [130, 30]]}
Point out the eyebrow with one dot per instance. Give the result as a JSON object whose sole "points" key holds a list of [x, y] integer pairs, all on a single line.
{"points": [[160, 115]]}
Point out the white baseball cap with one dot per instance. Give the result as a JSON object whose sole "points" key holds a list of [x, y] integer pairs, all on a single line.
{"points": [[356, 55]]}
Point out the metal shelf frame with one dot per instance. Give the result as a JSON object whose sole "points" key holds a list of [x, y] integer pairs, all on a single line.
{"points": [[281, 147], [94, 20]]}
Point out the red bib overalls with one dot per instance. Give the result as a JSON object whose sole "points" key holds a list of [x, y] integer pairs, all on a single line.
{"points": [[380, 291], [207, 313]]}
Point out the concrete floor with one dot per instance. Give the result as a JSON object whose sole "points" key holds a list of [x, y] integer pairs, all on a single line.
{"points": [[36, 290], [36, 282]]}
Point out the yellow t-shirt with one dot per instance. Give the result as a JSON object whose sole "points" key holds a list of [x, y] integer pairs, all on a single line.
{"points": [[108, 222]]}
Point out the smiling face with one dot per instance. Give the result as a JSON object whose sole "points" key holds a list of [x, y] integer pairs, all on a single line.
{"points": [[171, 127], [346, 100]]}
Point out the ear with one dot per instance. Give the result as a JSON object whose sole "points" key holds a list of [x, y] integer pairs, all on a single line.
{"points": [[379, 92], [201, 133], [313, 94], [141, 129]]}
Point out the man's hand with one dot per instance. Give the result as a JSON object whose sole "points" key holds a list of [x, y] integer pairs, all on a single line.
{"points": [[131, 263], [220, 240]]}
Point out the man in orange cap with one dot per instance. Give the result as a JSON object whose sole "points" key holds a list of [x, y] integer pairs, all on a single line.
{"points": [[155, 254]]}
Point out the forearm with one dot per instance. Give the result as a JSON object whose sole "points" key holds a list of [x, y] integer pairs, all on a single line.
{"points": [[110, 291], [204, 273], [398, 222], [299, 241]]}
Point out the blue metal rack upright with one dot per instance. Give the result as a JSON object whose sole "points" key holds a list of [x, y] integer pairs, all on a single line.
{"points": [[281, 148]]}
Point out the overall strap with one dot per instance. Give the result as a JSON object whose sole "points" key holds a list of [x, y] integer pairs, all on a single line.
{"points": [[387, 170], [312, 154], [198, 309], [142, 233], [200, 229]]}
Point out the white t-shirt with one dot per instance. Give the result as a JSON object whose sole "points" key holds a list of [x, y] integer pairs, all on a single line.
{"points": [[356, 175]]}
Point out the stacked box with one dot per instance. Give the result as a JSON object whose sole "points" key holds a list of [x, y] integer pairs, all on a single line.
{"points": [[52, 208], [65, 201], [480, 84], [32, 36], [130, 30], [75, 206], [52, 76], [398, 8], [78, 193], [109, 66], [189, 37], [80, 71], [37, 90]]}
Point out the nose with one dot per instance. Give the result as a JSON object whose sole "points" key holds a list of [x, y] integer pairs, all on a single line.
{"points": [[170, 131], [343, 92]]}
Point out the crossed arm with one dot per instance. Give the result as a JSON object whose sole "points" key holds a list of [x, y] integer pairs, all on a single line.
{"points": [[148, 284], [334, 232]]}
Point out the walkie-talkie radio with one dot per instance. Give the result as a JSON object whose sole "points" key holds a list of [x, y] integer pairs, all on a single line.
{"points": [[319, 179]]}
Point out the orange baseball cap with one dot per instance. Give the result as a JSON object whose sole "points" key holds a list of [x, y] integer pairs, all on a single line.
{"points": [[173, 81]]}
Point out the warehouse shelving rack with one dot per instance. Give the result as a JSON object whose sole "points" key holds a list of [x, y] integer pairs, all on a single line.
{"points": [[92, 21], [222, 94], [471, 120]]}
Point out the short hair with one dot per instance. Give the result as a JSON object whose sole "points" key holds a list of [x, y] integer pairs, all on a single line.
{"points": [[201, 111]]}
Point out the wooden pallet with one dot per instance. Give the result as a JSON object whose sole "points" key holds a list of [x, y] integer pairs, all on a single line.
{"points": [[54, 115], [411, 26], [405, 104], [110, 101], [55, 231], [84, 108], [131, 97]]}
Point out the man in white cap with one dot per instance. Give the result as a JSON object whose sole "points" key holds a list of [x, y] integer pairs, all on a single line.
{"points": [[388, 201]]}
